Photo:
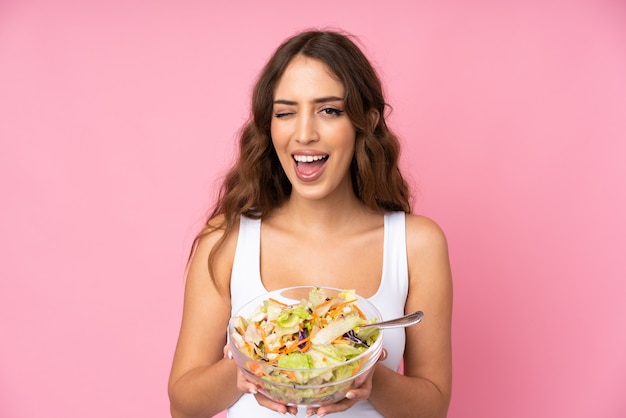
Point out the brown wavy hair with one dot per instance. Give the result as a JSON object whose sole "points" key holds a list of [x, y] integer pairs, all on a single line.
{"points": [[257, 184]]}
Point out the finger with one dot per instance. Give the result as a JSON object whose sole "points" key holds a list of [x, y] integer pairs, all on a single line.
{"points": [[227, 353], [383, 355], [364, 379], [266, 402], [361, 380], [359, 394], [310, 411], [335, 407], [247, 387], [362, 387], [244, 385]]}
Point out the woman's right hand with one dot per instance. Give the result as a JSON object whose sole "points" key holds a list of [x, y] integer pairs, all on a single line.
{"points": [[246, 386]]}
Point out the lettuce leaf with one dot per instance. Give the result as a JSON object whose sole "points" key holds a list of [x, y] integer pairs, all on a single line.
{"points": [[335, 329], [295, 361]]}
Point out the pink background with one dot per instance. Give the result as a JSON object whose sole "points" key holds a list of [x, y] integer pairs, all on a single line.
{"points": [[117, 118]]}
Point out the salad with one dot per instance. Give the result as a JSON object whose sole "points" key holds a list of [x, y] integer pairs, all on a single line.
{"points": [[307, 343]]}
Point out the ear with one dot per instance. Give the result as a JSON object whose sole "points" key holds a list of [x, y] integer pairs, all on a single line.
{"points": [[373, 116]]}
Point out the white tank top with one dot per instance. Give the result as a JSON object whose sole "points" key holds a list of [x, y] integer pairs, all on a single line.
{"points": [[390, 299]]}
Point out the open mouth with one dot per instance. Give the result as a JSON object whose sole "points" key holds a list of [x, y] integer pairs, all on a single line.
{"points": [[309, 167], [310, 159]]}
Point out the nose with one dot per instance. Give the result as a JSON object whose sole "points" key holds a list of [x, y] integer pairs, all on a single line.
{"points": [[306, 130]]}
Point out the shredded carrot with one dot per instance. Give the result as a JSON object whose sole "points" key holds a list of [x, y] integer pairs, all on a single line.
{"points": [[336, 310], [320, 307], [286, 350], [290, 374], [279, 302], [342, 304], [360, 312], [335, 314], [263, 337], [326, 302], [307, 344], [261, 331], [255, 368]]}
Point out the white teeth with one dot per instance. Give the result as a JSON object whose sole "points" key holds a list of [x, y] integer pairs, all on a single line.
{"points": [[308, 158]]}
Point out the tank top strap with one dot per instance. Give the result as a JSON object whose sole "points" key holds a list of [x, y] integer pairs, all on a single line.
{"points": [[395, 272], [390, 299], [245, 279]]}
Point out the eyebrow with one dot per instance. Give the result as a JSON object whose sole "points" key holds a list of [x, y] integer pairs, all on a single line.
{"points": [[318, 100]]}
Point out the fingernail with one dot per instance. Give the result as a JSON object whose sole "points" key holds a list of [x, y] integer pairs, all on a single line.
{"points": [[252, 391], [350, 395], [230, 355]]}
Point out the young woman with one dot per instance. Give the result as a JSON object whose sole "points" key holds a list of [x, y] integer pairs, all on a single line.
{"points": [[316, 198]]}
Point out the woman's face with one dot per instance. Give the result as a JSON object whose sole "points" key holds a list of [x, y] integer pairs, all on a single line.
{"points": [[312, 135]]}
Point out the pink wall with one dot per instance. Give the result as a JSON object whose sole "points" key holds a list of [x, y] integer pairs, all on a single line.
{"points": [[117, 117]]}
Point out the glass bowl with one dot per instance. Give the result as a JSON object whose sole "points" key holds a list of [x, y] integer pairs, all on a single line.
{"points": [[304, 386]]}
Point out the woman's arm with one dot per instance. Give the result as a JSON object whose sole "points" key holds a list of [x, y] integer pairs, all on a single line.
{"points": [[425, 388], [202, 383]]}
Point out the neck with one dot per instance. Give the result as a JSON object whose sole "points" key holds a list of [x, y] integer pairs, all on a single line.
{"points": [[332, 214]]}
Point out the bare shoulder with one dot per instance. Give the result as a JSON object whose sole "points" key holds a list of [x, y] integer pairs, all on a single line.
{"points": [[224, 256], [427, 255], [424, 234]]}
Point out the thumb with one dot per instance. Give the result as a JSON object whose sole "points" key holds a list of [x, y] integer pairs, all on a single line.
{"points": [[383, 355]]}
